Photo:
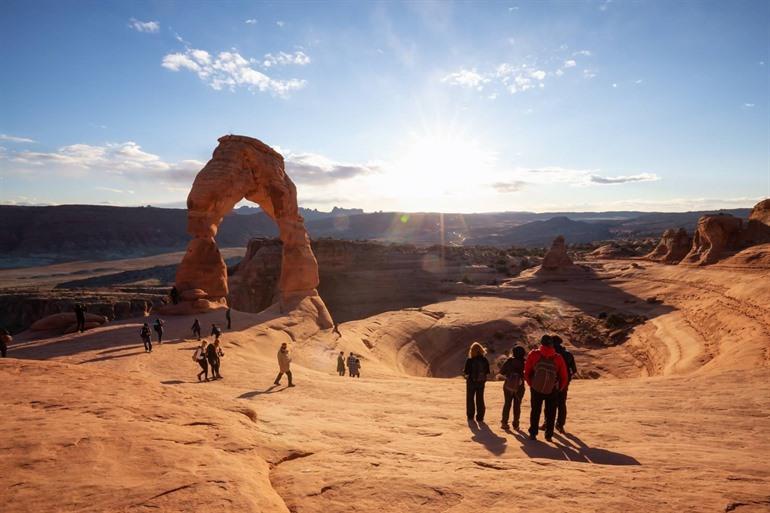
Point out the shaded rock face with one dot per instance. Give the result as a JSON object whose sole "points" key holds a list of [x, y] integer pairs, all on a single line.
{"points": [[758, 227], [715, 235], [673, 247], [243, 167], [557, 257], [254, 282]]}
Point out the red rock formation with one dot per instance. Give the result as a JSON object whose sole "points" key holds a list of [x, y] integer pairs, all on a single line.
{"points": [[557, 257], [243, 167], [758, 228], [673, 247], [66, 322], [715, 235]]}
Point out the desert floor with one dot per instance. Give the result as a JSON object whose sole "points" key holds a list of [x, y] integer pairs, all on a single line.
{"points": [[678, 420]]}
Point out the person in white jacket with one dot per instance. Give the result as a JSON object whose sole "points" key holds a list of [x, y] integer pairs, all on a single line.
{"points": [[284, 363]]}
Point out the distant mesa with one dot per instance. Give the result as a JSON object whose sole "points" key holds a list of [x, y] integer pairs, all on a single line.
{"points": [[672, 248], [243, 167]]}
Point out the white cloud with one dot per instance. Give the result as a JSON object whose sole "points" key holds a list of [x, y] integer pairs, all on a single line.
{"points": [[313, 169], [558, 72], [570, 63], [144, 26], [230, 70], [614, 85], [614, 180], [116, 191], [466, 78], [280, 23], [251, 21], [589, 73], [283, 58], [506, 187], [15, 139], [585, 53], [604, 5], [538, 74], [639, 81], [749, 105], [514, 8], [571, 176]]}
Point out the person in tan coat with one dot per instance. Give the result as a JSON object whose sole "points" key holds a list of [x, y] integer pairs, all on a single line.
{"points": [[284, 363]]}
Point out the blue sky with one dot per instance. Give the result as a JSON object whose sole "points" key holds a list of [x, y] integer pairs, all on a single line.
{"points": [[455, 107]]}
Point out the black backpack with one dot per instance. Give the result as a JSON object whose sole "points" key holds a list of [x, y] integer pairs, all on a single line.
{"points": [[478, 370]]}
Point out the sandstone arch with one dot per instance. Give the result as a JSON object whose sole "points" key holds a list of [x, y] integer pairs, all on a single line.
{"points": [[243, 167]]}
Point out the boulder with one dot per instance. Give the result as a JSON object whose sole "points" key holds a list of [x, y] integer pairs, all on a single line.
{"points": [[192, 294], [62, 321], [758, 227], [557, 258], [672, 248], [714, 236]]}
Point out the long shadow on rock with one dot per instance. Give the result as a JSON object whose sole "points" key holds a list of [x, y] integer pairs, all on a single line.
{"points": [[269, 390], [112, 357], [484, 436], [565, 450]]}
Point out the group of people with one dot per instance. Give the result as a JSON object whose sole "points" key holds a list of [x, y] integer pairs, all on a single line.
{"points": [[146, 335], [208, 355], [547, 371], [353, 365]]}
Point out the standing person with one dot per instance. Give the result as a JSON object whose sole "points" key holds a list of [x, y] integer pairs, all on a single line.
{"points": [[475, 373], [146, 338], [513, 387], [354, 367], [158, 327], [284, 363], [569, 361], [174, 295], [196, 329], [546, 374], [215, 332], [220, 355], [228, 317], [212, 355], [199, 357], [5, 341], [80, 316], [336, 330], [341, 363], [351, 364]]}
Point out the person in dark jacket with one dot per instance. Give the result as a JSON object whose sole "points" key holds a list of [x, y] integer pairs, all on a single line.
{"points": [[200, 358], [215, 332], [5, 341], [146, 338], [196, 329], [513, 370], [158, 327], [341, 363], [475, 373], [174, 295], [546, 374], [228, 317], [80, 317], [213, 354], [561, 405]]}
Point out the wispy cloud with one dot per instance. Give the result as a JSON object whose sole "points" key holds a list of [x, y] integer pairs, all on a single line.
{"points": [[614, 180], [229, 70], [251, 21], [570, 63], [314, 169], [116, 191], [466, 78], [283, 58], [749, 105], [522, 177], [280, 23], [144, 26], [605, 5], [506, 187], [16, 139]]}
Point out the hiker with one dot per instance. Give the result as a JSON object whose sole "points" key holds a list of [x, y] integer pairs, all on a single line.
{"points": [[200, 358], [80, 316], [336, 330], [546, 374], [227, 316], [5, 341], [196, 329], [215, 332], [146, 338], [354, 368], [174, 294], [341, 363], [569, 361], [475, 373], [213, 353], [513, 387], [351, 364], [284, 362], [158, 327]]}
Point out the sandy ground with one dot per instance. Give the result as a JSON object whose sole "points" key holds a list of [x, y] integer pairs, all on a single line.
{"points": [[678, 422]]}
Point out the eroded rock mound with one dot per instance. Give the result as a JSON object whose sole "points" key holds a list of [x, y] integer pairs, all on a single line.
{"points": [[242, 167], [672, 248], [758, 226], [66, 322], [715, 235], [557, 258]]}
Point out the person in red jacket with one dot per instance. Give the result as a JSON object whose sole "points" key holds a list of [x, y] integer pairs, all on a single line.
{"points": [[546, 374]]}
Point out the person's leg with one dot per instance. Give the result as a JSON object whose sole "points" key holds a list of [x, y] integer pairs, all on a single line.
{"points": [[278, 378], [508, 398], [481, 408], [551, 401], [561, 410], [534, 415], [288, 375], [470, 405], [149, 344], [517, 397]]}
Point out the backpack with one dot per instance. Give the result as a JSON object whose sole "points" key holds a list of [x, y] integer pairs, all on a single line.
{"points": [[513, 381], [478, 371], [198, 355], [544, 376]]}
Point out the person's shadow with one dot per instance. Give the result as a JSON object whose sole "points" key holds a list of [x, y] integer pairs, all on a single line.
{"points": [[272, 389], [571, 448], [484, 436]]}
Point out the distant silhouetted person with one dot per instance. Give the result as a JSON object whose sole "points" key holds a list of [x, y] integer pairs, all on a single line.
{"points": [[196, 329], [336, 330], [80, 316], [284, 365], [354, 367], [513, 387], [546, 374], [174, 295], [158, 327], [569, 361], [228, 317], [213, 353], [215, 332], [351, 361], [475, 372], [5, 341], [199, 357], [341, 363], [146, 338]]}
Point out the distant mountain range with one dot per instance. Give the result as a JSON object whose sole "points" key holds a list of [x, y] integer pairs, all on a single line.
{"points": [[36, 235]]}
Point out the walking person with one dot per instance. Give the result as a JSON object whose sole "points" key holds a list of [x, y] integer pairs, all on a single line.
{"points": [[199, 357], [228, 317], [475, 373], [216, 332], [284, 365], [213, 353], [158, 327], [351, 364], [569, 361], [336, 330], [546, 374], [196, 329], [341, 363], [354, 367], [174, 294], [5, 341], [146, 338], [513, 387], [80, 317]]}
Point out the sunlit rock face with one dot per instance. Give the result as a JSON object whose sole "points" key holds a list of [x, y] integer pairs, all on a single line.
{"points": [[673, 247], [557, 257], [715, 235]]}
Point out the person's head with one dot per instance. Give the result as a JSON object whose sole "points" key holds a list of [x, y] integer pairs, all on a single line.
{"points": [[546, 340], [519, 352], [351, 353], [557, 341], [476, 349], [342, 353], [284, 347], [145, 325], [203, 343], [216, 343]]}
